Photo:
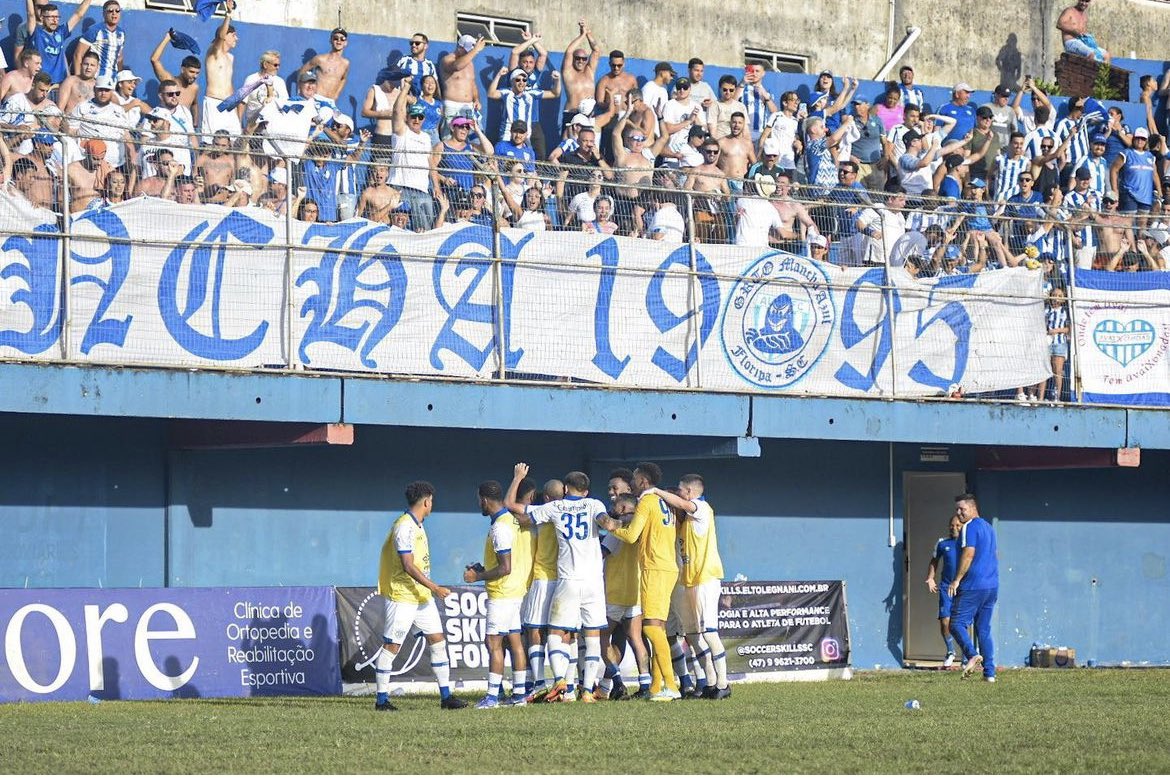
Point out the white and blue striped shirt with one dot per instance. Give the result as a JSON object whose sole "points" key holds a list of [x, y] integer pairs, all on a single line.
{"points": [[1056, 319], [1056, 242], [1033, 140], [107, 45], [1098, 174], [1081, 205], [418, 69], [756, 109], [518, 108], [911, 96], [1007, 175], [1078, 148]]}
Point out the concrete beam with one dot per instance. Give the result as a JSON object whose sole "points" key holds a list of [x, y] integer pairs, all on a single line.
{"points": [[173, 394], [495, 406], [951, 422], [196, 434], [1148, 428]]}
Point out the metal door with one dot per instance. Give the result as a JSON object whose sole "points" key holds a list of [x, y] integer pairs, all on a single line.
{"points": [[930, 503]]}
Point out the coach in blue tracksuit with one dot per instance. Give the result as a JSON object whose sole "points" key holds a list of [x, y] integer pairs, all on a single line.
{"points": [[975, 587]]}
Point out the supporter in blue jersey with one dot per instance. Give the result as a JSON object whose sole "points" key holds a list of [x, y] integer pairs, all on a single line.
{"points": [[975, 588], [961, 110], [1117, 135], [1133, 176], [945, 560], [46, 36]]}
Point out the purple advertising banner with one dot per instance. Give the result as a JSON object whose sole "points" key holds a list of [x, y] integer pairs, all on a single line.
{"points": [[72, 644]]}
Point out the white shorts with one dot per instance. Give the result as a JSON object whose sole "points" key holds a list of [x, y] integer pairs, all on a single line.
{"points": [[617, 613], [399, 617], [503, 616], [212, 119], [702, 608], [534, 609], [675, 623], [578, 605]]}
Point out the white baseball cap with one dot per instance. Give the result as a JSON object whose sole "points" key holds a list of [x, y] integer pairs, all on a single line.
{"points": [[1141, 132], [466, 42], [772, 147], [279, 175], [962, 86], [127, 75], [340, 118], [103, 82], [581, 120]]}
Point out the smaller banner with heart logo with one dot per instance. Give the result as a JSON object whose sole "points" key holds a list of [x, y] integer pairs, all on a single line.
{"points": [[1123, 336]]}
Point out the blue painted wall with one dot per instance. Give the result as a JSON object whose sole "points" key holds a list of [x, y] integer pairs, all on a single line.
{"points": [[89, 501]]}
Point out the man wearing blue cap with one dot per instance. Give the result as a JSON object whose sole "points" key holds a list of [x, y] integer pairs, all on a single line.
{"points": [[400, 218], [1097, 165]]}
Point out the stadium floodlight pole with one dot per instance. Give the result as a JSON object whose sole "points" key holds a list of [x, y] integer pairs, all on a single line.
{"points": [[692, 297], [66, 248], [290, 360], [1074, 357]]}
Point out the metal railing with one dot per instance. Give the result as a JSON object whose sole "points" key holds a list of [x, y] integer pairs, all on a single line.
{"points": [[919, 241]]}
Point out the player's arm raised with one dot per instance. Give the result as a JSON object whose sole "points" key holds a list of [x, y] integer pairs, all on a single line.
{"points": [[414, 572], [674, 501], [511, 502]]}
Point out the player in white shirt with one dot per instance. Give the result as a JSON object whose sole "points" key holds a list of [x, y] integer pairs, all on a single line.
{"points": [[578, 604]]}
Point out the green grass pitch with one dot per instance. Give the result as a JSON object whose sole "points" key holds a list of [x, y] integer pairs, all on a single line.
{"points": [[1032, 721]]}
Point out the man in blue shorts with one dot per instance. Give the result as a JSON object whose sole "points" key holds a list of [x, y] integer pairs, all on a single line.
{"points": [[946, 559], [975, 587]]}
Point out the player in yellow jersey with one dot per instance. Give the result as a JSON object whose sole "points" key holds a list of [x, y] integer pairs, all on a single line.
{"points": [[622, 602], [506, 568], [404, 580], [653, 529], [535, 608], [701, 577]]}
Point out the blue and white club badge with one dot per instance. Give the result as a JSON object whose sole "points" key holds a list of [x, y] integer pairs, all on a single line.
{"points": [[778, 320]]}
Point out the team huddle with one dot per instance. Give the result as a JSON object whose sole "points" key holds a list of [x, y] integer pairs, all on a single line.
{"points": [[557, 588]]}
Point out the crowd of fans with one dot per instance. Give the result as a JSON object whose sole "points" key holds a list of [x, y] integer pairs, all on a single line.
{"points": [[953, 189]]}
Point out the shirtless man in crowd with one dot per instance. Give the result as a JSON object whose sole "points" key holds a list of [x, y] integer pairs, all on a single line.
{"points": [[87, 176], [217, 164], [220, 64], [578, 72], [738, 152], [379, 198], [634, 168], [188, 78], [791, 212], [460, 92], [332, 67], [77, 89], [616, 81], [710, 211]]}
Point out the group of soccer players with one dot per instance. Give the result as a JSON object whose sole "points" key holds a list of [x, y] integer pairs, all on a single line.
{"points": [[557, 588]]}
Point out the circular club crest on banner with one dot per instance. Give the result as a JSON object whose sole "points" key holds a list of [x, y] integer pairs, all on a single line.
{"points": [[778, 320]]}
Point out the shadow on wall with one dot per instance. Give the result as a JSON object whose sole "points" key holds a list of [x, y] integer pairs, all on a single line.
{"points": [[1010, 62], [895, 602]]}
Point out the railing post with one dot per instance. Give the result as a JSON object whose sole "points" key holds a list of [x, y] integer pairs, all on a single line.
{"points": [[693, 328], [66, 249], [891, 311], [1074, 361], [498, 281], [289, 305]]}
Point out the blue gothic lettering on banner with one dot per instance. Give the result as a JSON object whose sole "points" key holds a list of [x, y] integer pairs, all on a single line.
{"points": [[117, 253], [604, 358], [329, 306], [477, 261], [205, 286], [953, 315], [42, 287], [852, 335], [666, 320]]}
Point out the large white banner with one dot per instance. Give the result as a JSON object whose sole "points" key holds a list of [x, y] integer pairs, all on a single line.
{"points": [[152, 282], [1123, 337]]}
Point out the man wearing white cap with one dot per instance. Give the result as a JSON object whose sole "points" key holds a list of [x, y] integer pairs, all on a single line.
{"points": [[1133, 176], [460, 93], [101, 117], [520, 101], [961, 110], [124, 86]]}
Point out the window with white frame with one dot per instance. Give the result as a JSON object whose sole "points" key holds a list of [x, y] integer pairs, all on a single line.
{"points": [[495, 30], [779, 61]]}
